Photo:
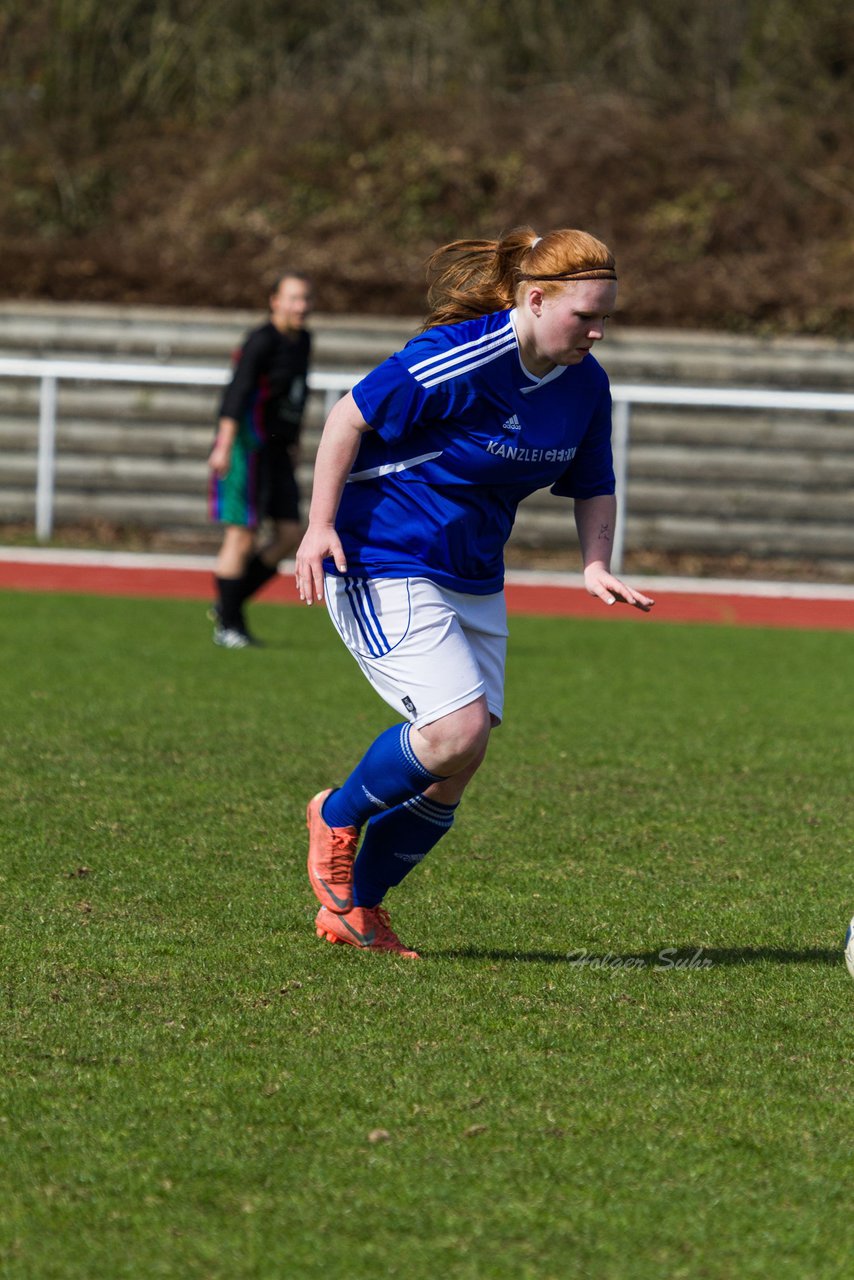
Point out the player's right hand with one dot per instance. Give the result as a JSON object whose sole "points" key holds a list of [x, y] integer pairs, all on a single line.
{"points": [[219, 461], [320, 543]]}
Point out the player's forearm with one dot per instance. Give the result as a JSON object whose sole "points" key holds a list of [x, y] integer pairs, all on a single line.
{"points": [[227, 432], [336, 454], [595, 519]]}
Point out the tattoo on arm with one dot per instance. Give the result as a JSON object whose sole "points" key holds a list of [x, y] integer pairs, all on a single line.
{"points": [[604, 532]]}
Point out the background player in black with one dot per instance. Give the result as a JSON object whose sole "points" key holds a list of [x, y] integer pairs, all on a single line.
{"points": [[254, 457]]}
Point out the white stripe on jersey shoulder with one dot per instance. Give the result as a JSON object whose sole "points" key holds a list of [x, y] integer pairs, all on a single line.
{"points": [[389, 467], [463, 347], [444, 373]]}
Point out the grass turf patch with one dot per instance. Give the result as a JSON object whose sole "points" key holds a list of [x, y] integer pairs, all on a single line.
{"points": [[624, 1052]]}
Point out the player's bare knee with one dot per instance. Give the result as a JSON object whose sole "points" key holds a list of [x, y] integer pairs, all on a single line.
{"points": [[238, 537], [458, 740]]}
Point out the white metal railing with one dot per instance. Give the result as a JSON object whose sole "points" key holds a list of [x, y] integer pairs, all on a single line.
{"points": [[50, 372]]}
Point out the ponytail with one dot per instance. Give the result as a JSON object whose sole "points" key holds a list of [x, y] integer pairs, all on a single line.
{"points": [[469, 278]]}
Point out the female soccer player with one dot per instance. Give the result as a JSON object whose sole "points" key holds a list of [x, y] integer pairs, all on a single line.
{"points": [[252, 463], [418, 476]]}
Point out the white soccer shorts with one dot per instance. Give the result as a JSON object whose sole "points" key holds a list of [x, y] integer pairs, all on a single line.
{"points": [[426, 650]]}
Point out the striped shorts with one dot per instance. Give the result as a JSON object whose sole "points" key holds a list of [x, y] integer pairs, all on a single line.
{"points": [[260, 484], [426, 650]]}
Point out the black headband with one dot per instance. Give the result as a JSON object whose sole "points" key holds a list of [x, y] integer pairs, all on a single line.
{"points": [[591, 273]]}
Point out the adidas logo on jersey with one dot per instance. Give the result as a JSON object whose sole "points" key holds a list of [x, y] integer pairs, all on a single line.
{"points": [[512, 424]]}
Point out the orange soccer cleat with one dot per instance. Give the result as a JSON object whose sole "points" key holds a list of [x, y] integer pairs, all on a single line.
{"points": [[365, 927], [331, 851]]}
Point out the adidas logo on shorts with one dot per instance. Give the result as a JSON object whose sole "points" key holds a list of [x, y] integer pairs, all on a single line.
{"points": [[512, 424]]}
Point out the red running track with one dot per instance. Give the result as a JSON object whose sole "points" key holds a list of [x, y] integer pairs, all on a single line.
{"points": [[543, 597]]}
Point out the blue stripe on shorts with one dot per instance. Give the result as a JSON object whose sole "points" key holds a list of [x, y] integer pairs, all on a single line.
{"points": [[365, 617]]}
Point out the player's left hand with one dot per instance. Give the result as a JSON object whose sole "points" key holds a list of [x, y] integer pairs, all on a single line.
{"points": [[599, 582]]}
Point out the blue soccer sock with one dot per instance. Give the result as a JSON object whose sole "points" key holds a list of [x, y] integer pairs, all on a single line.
{"points": [[395, 842], [388, 773]]}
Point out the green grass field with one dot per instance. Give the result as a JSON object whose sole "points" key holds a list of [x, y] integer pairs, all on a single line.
{"points": [[191, 1081]]}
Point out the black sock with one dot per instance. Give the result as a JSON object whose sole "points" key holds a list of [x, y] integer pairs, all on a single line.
{"points": [[230, 597], [256, 573]]}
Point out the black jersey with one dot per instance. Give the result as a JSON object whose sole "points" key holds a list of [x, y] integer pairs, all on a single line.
{"points": [[270, 383]]}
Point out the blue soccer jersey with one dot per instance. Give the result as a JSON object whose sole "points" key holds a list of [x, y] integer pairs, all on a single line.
{"points": [[461, 434]]}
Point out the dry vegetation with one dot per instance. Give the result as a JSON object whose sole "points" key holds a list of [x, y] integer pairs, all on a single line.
{"points": [[179, 151]]}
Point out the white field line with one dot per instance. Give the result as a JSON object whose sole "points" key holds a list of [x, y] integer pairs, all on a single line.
{"points": [[516, 577], [103, 559], [651, 583]]}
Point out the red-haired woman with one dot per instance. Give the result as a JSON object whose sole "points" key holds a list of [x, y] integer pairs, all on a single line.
{"points": [[418, 476]]}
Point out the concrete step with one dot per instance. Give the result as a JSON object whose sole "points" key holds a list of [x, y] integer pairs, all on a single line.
{"points": [[184, 337], [709, 497], [188, 474], [86, 437], [115, 400], [710, 359], [156, 441], [650, 498], [728, 466], [162, 511], [665, 532], [120, 404], [748, 429], [107, 473], [359, 342], [758, 537]]}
